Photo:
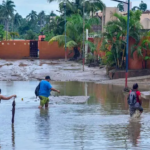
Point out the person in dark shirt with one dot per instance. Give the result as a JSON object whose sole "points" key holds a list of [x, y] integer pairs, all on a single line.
{"points": [[138, 104]]}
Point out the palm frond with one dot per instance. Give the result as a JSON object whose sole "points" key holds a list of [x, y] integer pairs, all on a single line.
{"points": [[60, 39], [71, 44]]}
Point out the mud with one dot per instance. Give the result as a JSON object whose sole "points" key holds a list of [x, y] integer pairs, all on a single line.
{"points": [[59, 70]]}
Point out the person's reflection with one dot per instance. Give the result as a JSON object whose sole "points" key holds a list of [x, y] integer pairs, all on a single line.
{"points": [[13, 136], [43, 123], [134, 129]]}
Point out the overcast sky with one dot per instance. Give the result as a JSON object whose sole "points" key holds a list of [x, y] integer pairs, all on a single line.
{"points": [[24, 7]]}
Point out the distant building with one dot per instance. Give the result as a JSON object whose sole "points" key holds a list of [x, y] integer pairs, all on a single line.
{"points": [[107, 15], [145, 20], [125, 6]]}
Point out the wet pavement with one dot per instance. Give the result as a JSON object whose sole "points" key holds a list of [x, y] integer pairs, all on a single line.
{"points": [[102, 122]]}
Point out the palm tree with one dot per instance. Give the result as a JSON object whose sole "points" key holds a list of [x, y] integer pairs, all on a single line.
{"points": [[7, 12], [74, 32], [17, 20], [76, 6], [41, 19], [32, 17], [115, 35]]}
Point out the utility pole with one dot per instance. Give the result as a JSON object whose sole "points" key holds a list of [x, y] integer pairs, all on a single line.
{"points": [[127, 42], [83, 36], [65, 32]]}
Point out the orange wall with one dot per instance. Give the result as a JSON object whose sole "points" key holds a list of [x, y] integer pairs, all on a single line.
{"points": [[135, 62], [52, 51], [99, 43], [14, 49]]}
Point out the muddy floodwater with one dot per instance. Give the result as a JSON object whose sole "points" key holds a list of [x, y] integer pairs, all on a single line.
{"points": [[101, 123]]}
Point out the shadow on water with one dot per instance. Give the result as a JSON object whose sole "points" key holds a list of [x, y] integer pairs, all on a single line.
{"points": [[102, 123], [134, 131]]}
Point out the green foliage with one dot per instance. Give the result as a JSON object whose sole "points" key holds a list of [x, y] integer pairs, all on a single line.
{"points": [[109, 59], [76, 7], [32, 17], [115, 33], [142, 45], [30, 35], [147, 58], [90, 58], [1, 32], [14, 34], [61, 41], [48, 35], [6, 36], [74, 31], [92, 46]]}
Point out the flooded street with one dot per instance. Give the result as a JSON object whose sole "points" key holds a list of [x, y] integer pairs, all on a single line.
{"points": [[102, 122]]}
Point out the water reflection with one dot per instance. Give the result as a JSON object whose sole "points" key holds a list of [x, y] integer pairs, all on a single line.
{"points": [[102, 123], [79, 136], [13, 136], [134, 129], [43, 123]]}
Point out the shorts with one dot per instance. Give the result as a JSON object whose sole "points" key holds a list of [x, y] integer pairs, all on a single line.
{"points": [[137, 106], [43, 100]]}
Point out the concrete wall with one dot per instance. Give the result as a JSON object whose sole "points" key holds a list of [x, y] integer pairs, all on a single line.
{"points": [[14, 49], [52, 51], [145, 20], [146, 23], [108, 15]]}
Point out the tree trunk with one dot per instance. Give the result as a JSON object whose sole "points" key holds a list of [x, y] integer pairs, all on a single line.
{"points": [[6, 30], [76, 53]]}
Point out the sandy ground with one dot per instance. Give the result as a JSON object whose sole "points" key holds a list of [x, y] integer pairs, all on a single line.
{"points": [[59, 70]]}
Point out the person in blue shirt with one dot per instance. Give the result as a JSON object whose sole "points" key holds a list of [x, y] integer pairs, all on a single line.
{"points": [[44, 91]]}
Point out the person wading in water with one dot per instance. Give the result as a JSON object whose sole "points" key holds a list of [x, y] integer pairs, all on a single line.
{"points": [[44, 91], [6, 98], [134, 100]]}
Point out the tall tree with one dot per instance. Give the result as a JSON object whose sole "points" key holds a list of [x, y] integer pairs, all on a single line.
{"points": [[76, 6], [74, 30], [32, 17], [115, 32], [16, 21], [7, 11], [41, 19]]}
